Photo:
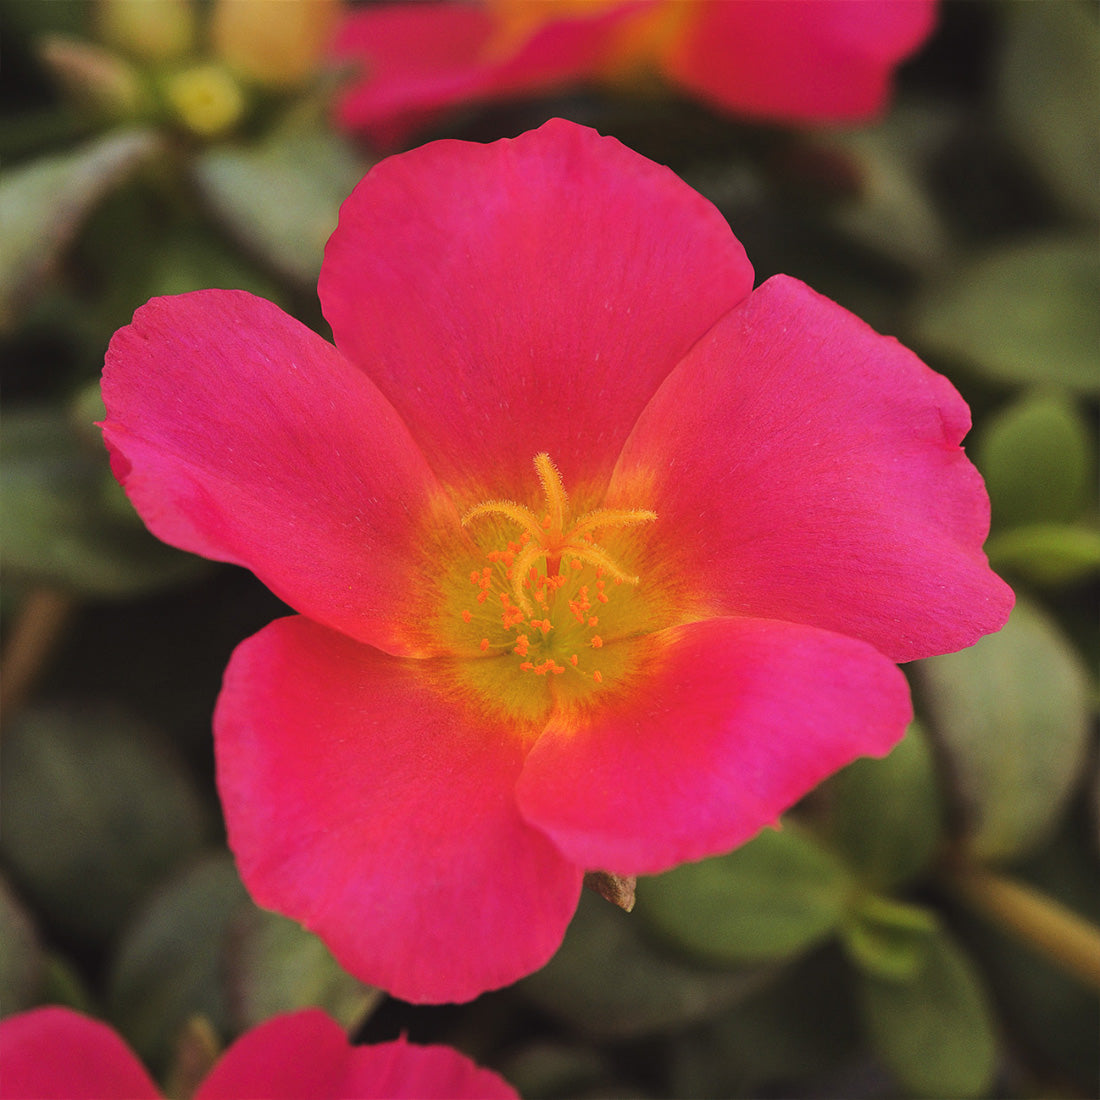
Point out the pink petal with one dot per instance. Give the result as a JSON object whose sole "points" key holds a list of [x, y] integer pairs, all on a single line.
{"points": [[306, 1056], [734, 721], [525, 296], [417, 59], [792, 61], [369, 801], [241, 435], [57, 1054], [804, 468]]}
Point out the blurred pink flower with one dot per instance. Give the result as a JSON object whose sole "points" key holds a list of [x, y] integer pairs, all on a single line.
{"points": [[791, 61], [57, 1054], [493, 686]]}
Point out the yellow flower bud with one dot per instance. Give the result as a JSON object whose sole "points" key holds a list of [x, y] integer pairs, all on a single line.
{"points": [[278, 43], [206, 99], [153, 30]]}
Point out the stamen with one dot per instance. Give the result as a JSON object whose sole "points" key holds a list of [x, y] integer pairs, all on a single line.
{"points": [[553, 491], [546, 537], [510, 510], [611, 517]]}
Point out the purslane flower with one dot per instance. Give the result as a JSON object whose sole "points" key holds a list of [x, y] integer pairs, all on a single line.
{"points": [[54, 1053], [780, 60], [603, 559]]}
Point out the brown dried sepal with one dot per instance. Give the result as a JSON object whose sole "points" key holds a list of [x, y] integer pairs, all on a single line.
{"points": [[617, 889]]}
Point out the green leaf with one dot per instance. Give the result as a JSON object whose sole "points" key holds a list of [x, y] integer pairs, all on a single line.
{"points": [[934, 1031], [1046, 553], [274, 965], [281, 198], [1023, 313], [894, 213], [886, 815], [170, 961], [44, 203], [547, 1070], [1048, 93], [22, 963], [96, 811], [888, 938], [607, 980], [778, 895], [62, 985], [1048, 1012], [798, 1029], [67, 523], [1012, 712], [1037, 459]]}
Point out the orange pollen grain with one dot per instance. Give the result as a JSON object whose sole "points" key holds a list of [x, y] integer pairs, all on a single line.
{"points": [[597, 642]]}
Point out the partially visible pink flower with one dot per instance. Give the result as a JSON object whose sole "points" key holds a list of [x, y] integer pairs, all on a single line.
{"points": [[792, 61], [57, 1054], [603, 558]]}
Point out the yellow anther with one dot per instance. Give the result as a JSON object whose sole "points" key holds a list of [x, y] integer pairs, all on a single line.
{"points": [[548, 538]]}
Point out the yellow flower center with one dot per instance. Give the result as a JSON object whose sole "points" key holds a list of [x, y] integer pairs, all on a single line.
{"points": [[546, 612]]}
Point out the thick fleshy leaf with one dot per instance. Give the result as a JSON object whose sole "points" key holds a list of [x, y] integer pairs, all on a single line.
{"points": [[886, 815], [609, 980], [274, 965], [776, 896], [764, 711], [544, 1068], [887, 938], [66, 522], [1037, 456], [368, 800], [802, 467], [934, 1029], [1024, 312], [96, 811], [305, 1056], [1013, 714], [1048, 87], [801, 1026], [892, 210], [22, 963], [281, 198], [795, 62], [241, 435], [525, 296], [169, 966], [44, 203], [1038, 1002], [1047, 553], [57, 1054]]}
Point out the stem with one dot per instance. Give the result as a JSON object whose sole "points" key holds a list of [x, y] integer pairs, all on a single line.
{"points": [[1067, 939], [38, 626]]}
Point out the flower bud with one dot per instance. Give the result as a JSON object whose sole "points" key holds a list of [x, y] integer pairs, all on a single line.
{"points": [[152, 31], [96, 80], [206, 99], [278, 45]]}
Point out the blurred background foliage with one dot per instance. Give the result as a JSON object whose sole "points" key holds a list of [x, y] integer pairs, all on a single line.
{"points": [[923, 925]]}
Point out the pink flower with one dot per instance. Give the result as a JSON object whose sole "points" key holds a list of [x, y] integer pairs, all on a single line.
{"points": [[493, 685], [789, 61], [57, 1054]]}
